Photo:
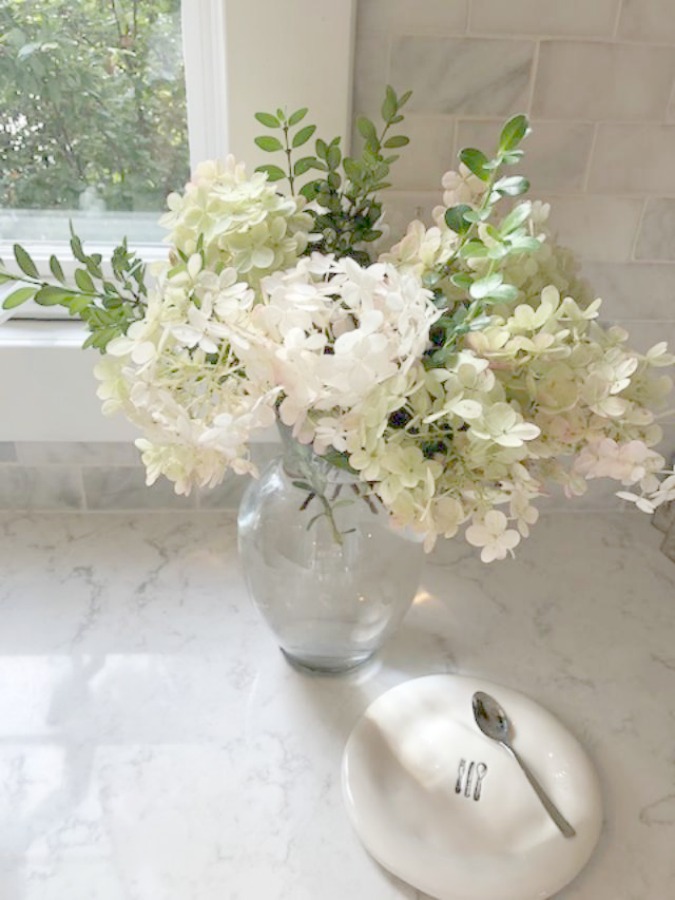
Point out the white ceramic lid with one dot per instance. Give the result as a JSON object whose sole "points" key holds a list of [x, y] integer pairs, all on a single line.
{"points": [[449, 811]]}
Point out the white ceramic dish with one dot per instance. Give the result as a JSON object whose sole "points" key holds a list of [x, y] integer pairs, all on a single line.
{"points": [[459, 831]]}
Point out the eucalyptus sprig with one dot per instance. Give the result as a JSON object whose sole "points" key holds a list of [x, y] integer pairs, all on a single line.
{"points": [[346, 192], [469, 292], [108, 305]]}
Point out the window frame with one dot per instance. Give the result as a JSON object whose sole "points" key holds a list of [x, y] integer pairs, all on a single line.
{"points": [[203, 34], [51, 392]]}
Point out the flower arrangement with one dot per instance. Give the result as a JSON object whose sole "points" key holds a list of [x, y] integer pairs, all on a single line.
{"points": [[458, 373]]}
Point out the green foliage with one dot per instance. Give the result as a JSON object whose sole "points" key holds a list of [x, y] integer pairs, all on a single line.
{"points": [[347, 188], [468, 285], [91, 98], [108, 307]]}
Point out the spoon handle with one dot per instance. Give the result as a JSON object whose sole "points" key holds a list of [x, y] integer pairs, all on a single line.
{"points": [[549, 805]]}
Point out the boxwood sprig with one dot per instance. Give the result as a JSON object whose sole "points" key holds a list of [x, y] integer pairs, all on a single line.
{"points": [[347, 209]]}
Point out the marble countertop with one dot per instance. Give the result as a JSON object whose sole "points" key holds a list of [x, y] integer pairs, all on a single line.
{"points": [[155, 745]]}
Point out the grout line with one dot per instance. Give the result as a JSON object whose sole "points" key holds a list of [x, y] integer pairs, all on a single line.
{"points": [[617, 19], [533, 78], [638, 229], [591, 155], [468, 25]]}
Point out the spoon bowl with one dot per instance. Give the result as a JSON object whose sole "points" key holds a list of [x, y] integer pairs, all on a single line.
{"points": [[495, 724]]}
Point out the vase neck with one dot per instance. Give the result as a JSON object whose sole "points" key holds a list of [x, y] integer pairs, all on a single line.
{"points": [[301, 460]]}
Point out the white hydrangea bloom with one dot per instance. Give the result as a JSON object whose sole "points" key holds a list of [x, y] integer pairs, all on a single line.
{"points": [[241, 221]]}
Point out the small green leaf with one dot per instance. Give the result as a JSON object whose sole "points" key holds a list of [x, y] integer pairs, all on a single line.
{"points": [[76, 246], [512, 185], [16, 298], [473, 249], [78, 305], [516, 217], [304, 165], [513, 133], [268, 120], [399, 140], [478, 215], [390, 104], [297, 116], [505, 292], [333, 156], [334, 180], [301, 137], [475, 161], [25, 262], [310, 190], [454, 218], [274, 173], [51, 295], [461, 280], [485, 287], [84, 282], [321, 148], [302, 485], [403, 99], [367, 129], [56, 270], [523, 243], [268, 143], [352, 169], [5, 277]]}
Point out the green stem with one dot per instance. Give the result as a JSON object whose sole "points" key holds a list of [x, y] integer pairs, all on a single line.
{"points": [[288, 151]]}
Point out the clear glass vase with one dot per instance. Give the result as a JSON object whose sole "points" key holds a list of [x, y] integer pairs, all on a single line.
{"points": [[322, 563]]}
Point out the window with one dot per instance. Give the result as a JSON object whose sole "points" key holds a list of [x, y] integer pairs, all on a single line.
{"points": [[93, 124], [95, 101]]}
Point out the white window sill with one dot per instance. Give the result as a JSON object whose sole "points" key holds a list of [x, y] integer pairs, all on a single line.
{"points": [[48, 386]]}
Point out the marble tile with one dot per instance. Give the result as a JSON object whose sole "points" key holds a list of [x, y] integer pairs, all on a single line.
{"points": [[656, 239], [644, 335], [667, 445], [156, 745], [470, 76], [34, 487], [602, 82], [7, 451], [228, 494], [404, 17], [401, 207], [634, 290], [428, 156], [598, 228], [647, 20], [556, 153], [371, 75], [38, 453], [544, 17], [633, 159], [124, 488], [600, 496]]}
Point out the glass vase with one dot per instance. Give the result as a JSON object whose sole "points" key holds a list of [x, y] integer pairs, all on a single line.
{"points": [[330, 575]]}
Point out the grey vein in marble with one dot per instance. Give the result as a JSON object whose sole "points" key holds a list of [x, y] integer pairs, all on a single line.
{"points": [[154, 744], [471, 76]]}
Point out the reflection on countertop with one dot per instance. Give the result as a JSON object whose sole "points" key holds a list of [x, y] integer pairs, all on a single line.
{"points": [[154, 744]]}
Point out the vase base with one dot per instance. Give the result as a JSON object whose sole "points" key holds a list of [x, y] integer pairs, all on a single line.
{"points": [[326, 665]]}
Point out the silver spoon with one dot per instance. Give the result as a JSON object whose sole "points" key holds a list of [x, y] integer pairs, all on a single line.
{"points": [[493, 722]]}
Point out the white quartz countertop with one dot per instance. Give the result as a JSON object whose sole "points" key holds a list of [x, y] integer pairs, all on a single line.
{"points": [[155, 745]]}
